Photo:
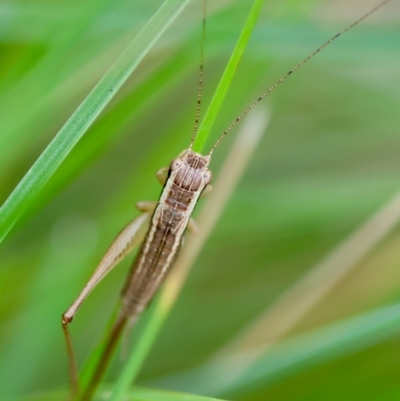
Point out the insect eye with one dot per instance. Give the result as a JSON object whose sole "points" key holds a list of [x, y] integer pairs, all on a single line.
{"points": [[175, 164], [207, 177]]}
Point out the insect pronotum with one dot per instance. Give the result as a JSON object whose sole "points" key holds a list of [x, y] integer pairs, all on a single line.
{"points": [[185, 180]]}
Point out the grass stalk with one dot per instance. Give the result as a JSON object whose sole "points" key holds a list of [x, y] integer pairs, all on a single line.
{"points": [[227, 77], [250, 134], [79, 122], [307, 292]]}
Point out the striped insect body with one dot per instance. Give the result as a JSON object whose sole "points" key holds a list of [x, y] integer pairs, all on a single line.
{"points": [[188, 176]]}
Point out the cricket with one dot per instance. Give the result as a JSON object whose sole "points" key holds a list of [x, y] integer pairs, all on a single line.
{"points": [[185, 181]]}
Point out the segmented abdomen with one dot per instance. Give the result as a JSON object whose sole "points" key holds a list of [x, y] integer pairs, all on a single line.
{"points": [[154, 260]]}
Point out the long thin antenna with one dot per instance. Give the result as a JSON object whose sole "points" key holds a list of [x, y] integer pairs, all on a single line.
{"points": [[200, 87], [277, 83]]}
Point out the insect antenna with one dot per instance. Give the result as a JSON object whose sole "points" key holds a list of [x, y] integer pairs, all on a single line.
{"points": [[201, 70], [277, 83]]}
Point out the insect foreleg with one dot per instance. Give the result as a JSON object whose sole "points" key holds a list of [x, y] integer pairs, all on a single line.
{"points": [[146, 206], [192, 226], [206, 190], [162, 175]]}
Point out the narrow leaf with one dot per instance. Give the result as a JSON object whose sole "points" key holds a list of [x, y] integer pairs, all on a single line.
{"points": [[83, 117], [227, 77]]}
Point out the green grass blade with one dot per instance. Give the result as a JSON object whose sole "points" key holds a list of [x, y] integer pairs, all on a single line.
{"points": [[321, 346], [148, 394], [226, 79], [291, 356], [234, 166], [142, 348], [83, 117], [136, 394]]}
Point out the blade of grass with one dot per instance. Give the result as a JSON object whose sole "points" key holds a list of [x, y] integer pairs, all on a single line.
{"points": [[286, 312], [226, 79], [229, 176], [136, 394], [320, 346], [32, 92], [83, 117], [294, 355], [149, 394], [110, 125], [316, 283]]}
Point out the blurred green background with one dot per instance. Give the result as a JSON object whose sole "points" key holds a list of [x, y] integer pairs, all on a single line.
{"points": [[329, 160]]}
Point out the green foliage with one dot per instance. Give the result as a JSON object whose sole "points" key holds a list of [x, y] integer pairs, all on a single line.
{"points": [[85, 114], [330, 160]]}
